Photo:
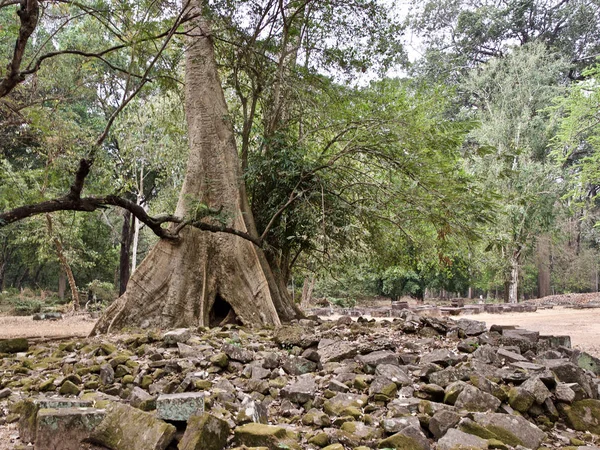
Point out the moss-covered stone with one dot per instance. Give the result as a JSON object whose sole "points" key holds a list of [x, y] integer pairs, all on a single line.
{"points": [[320, 439], [128, 428], [402, 441], [69, 388], [205, 432], [583, 415], [14, 345], [520, 399], [260, 435]]}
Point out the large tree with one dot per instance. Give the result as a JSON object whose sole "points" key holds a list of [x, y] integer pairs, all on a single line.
{"points": [[201, 278]]}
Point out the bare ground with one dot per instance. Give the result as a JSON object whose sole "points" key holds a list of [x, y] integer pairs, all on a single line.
{"points": [[583, 325], [23, 326]]}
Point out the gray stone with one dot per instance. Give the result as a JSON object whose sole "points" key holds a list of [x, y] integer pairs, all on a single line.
{"points": [[509, 356], [337, 386], [393, 373], [512, 430], [397, 424], [375, 359], [128, 428], [139, 398], [5, 392], [564, 393], [331, 350], [301, 390], [261, 435], [336, 405], [537, 388], [205, 432], [442, 421], [173, 337], [295, 336], [252, 411], [458, 440], [107, 374], [297, 365], [567, 372], [471, 327], [409, 438], [179, 407], [473, 399], [65, 428], [62, 402], [236, 353], [442, 357]]}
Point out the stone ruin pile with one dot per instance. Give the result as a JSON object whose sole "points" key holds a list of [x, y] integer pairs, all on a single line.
{"points": [[414, 383]]}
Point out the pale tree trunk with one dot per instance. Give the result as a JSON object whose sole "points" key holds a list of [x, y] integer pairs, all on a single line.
{"points": [[137, 225], [307, 291], [66, 267], [513, 284], [204, 278], [543, 265]]}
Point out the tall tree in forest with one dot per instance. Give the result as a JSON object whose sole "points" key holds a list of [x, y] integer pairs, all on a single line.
{"points": [[204, 278]]}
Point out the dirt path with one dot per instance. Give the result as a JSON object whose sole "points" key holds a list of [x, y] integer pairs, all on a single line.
{"points": [[19, 326], [583, 325]]}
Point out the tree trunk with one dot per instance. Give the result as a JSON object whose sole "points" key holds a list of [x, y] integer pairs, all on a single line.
{"points": [[125, 255], [513, 285], [204, 278], [66, 267], [62, 284], [307, 291], [543, 265]]}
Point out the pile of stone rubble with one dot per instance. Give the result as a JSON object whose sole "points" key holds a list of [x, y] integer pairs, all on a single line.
{"points": [[414, 383]]}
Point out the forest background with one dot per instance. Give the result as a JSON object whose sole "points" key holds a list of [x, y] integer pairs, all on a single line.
{"points": [[431, 149]]}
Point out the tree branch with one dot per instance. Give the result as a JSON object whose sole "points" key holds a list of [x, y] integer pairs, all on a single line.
{"points": [[28, 13]]}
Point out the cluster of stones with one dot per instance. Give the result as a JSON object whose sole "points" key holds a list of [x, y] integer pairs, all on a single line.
{"points": [[456, 309], [415, 383]]}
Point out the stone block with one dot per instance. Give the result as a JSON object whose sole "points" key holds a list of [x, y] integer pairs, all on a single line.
{"points": [[205, 432], [127, 428], [179, 335], [180, 407], [65, 428], [14, 345]]}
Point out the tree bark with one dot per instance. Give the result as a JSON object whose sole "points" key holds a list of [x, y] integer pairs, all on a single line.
{"points": [[66, 267], [307, 291], [124, 257], [543, 265], [204, 278], [513, 285]]}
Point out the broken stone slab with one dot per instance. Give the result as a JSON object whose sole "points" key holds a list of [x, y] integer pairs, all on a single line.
{"points": [[337, 405], [509, 429], [28, 410], [374, 359], [178, 335], [127, 428], [583, 415], [409, 438], [205, 432], [568, 372], [471, 327], [301, 390], [179, 407], [393, 373], [456, 440], [4, 393], [259, 435], [14, 345], [333, 350], [48, 316], [237, 353], [586, 361], [442, 421], [295, 336], [473, 399], [509, 356], [65, 428], [552, 341]]}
